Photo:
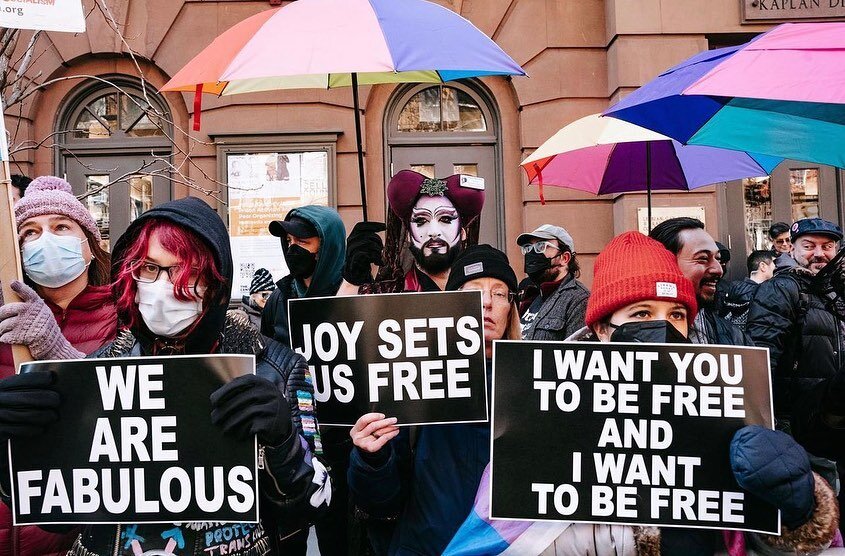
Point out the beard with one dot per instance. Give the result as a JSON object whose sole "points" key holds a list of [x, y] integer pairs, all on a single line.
{"points": [[435, 263]]}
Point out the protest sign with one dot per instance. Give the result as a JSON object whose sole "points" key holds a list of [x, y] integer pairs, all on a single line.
{"points": [[418, 357], [45, 15], [626, 433], [134, 443]]}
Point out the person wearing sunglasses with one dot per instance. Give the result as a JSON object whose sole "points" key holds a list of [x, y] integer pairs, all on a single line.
{"points": [[557, 308], [259, 291], [781, 246]]}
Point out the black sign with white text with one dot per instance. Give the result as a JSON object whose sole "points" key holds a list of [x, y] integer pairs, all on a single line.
{"points": [[134, 443], [418, 357], [626, 433]]}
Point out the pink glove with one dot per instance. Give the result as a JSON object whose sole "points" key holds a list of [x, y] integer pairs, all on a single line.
{"points": [[31, 323]]}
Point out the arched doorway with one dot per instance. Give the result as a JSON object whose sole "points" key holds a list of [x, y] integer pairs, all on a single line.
{"points": [[114, 151], [449, 129]]}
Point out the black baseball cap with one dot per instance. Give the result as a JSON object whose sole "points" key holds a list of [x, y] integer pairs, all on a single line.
{"points": [[817, 226], [295, 226]]}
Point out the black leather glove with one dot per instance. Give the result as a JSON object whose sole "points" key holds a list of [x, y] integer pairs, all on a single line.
{"points": [[27, 404], [251, 405], [363, 248]]}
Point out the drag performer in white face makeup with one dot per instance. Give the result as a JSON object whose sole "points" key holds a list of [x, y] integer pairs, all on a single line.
{"points": [[435, 219]]}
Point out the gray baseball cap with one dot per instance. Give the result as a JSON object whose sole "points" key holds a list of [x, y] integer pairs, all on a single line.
{"points": [[547, 231]]}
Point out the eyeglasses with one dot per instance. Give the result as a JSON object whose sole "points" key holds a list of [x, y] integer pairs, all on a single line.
{"points": [[784, 241], [148, 272], [264, 295], [539, 247], [499, 296]]}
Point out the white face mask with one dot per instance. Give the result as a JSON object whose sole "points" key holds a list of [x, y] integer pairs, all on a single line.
{"points": [[163, 314], [53, 261]]}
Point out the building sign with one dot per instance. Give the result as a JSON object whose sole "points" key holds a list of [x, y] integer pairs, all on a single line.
{"points": [[264, 187], [661, 214], [778, 10], [45, 15]]}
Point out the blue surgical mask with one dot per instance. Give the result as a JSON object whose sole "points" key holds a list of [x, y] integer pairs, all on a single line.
{"points": [[53, 261]]}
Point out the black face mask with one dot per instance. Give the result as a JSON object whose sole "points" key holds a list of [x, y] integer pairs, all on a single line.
{"points": [[536, 264], [301, 261], [649, 332]]}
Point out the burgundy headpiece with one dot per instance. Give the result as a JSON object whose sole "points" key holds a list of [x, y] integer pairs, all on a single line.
{"points": [[465, 192]]}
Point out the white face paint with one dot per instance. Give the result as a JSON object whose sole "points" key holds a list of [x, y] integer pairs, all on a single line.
{"points": [[435, 225]]}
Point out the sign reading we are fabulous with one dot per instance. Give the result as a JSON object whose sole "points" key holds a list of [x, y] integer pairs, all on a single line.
{"points": [[134, 443], [626, 433], [418, 357]]}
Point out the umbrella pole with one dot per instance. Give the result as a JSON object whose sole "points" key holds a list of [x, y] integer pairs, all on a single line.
{"points": [[360, 146], [648, 180]]}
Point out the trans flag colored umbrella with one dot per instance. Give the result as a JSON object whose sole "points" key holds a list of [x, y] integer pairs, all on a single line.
{"points": [[340, 43], [604, 155], [782, 94]]}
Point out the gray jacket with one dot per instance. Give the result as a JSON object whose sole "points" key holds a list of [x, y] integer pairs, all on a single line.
{"points": [[561, 314]]}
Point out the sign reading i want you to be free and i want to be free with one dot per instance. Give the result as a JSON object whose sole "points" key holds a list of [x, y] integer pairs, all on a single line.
{"points": [[418, 357], [649, 429], [134, 443]]}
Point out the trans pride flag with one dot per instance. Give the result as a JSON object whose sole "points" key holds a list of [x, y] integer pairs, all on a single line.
{"points": [[480, 536]]}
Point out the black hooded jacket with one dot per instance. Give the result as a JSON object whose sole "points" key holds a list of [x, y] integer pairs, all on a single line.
{"points": [[292, 484]]}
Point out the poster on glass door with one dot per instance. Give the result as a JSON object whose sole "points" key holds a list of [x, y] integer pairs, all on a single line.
{"points": [[264, 187]]}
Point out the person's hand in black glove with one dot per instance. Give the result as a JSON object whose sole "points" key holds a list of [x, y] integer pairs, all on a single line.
{"points": [[251, 405], [772, 466], [28, 404], [363, 248]]}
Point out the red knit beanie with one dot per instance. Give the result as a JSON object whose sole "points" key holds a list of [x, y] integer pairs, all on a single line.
{"points": [[634, 268]]}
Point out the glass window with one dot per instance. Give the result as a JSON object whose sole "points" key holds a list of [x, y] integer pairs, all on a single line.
{"points": [[113, 112], [441, 108], [758, 212], [97, 204], [804, 189], [465, 169], [140, 195], [425, 169]]}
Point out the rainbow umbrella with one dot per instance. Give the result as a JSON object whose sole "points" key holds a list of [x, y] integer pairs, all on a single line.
{"points": [[603, 155], [340, 43], [782, 94]]}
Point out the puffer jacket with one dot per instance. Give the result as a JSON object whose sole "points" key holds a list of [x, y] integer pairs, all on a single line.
{"points": [[561, 314], [804, 339], [734, 305], [88, 322]]}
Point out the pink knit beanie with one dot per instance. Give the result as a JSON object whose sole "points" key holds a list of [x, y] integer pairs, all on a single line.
{"points": [[52, 195]]}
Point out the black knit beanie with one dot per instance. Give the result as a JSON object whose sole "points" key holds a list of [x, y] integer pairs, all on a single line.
{"points": [[262, 281], [481, 261]]}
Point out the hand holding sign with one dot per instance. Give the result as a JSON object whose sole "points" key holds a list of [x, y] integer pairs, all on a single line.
{"points": [[27, 404], [251, 405], [31, 323], [372, 431]]}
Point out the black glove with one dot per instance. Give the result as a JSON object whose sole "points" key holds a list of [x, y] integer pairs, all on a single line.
{"points": [[251, 405], [363, 248], [772, 466], [27, 404]]}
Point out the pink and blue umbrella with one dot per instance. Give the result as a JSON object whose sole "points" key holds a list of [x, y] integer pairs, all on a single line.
{"points": [[782, 94], [603, 155], [340, 43]]}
